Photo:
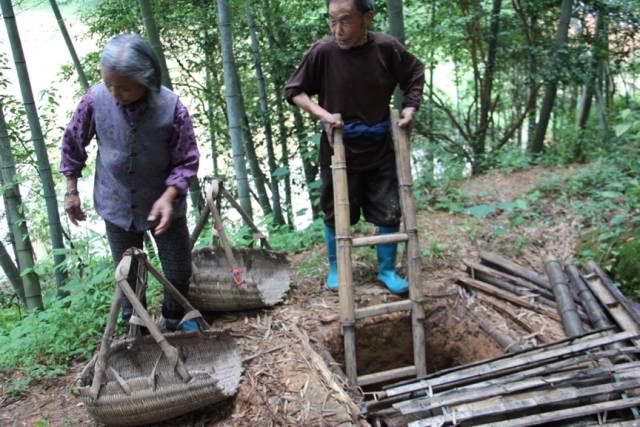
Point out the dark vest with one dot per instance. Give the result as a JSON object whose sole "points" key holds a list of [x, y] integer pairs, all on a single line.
{"points": [[133, 162]]}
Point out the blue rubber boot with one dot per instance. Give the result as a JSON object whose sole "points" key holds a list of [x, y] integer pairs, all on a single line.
{"points": [[332, 277], [387, 264], [188, 326]]}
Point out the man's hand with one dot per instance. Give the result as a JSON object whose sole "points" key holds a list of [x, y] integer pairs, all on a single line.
{"points": [[407, 117], [303, 101], [163, 209], [73, 207], [330, 123]]}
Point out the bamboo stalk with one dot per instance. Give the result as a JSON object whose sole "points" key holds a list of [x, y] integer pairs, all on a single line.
{"points": [[596, 316], [561, 343], [513, 268], [564, 414], [494, 368], [489, 275], [584, 361], [401, 144], [530, 400], [380, 239], [457, 397], [617, 311], [506, 310], [568, 312], [504, 341], [592, 267], [343, 249], [507, 296], [247, 219], [517, 286]]}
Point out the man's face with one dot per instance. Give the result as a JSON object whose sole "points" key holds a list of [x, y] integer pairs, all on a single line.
{"points": [[348, 25]]}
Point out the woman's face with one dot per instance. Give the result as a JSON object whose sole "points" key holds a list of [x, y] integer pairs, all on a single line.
{"points": [[122, 88]]}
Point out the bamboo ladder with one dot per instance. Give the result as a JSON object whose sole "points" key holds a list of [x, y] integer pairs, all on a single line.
{"points": [[349, 314]]}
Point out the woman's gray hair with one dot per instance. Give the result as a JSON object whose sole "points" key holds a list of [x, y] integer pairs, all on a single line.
{"points": [[362, 5], [131, 55]]}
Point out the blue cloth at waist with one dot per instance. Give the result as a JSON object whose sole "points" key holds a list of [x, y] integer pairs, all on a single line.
{"points": [[360, 129]]}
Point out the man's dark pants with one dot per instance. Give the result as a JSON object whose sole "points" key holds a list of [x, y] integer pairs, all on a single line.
{"points": [[374, 192]]}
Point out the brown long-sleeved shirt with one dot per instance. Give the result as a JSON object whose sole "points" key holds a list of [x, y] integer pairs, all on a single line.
{"points": [[358, 83]]}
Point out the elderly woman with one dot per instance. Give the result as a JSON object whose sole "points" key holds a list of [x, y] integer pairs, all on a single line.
{"points": [[147, 155]]}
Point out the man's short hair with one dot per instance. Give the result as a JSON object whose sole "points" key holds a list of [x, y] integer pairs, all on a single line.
{"points": [[362, 5]]}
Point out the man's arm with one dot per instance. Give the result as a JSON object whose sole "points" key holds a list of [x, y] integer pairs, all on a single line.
{"points": [[303, 101], [410, 76]]}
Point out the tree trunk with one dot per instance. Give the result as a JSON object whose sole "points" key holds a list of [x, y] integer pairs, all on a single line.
{"points": [[209, 87], [250, 150], [266, 119], [11, 271], [28, 287], [396, 29], [430, 113], [44, 167], [601, 55], [310, 168], [153, 36], [285, 161], [537, 145], [487, 86], [234, 110], [585, 104], [72, 51], [278, 82]]}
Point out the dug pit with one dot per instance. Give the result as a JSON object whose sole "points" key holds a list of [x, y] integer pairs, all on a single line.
{"points": [[453, 338]]}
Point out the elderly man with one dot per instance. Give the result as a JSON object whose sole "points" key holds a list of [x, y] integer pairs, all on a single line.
{"points": [[354, 72]]}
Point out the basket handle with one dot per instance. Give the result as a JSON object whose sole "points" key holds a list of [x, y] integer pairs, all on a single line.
{"points": [[105, 344], [124, 290], [247, 219], [215, 189]]}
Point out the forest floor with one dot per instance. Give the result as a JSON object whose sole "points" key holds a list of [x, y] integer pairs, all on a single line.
{"points": [[283, 382]]}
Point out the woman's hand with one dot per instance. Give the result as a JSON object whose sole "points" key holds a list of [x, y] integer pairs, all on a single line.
{"points": [[73, 207], [163, 209]]}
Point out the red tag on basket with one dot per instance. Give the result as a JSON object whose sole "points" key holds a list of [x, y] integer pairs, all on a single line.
{"points": [[237, 276]]}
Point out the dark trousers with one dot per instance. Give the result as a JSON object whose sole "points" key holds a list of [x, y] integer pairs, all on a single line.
{"points": [[174, 249], [373, 192]]}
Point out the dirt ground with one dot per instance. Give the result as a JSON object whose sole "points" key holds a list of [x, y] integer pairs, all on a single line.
{"points": [[287, 349]]}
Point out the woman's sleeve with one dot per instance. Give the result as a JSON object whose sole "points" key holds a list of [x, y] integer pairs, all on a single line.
{"points": [[78, 134], [185, 156]]}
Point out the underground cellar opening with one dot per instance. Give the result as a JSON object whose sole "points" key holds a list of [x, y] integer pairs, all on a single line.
{"points": [[385, 342]]}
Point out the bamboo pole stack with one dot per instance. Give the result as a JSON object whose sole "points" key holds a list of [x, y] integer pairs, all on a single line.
{"points": [[579, 380]]}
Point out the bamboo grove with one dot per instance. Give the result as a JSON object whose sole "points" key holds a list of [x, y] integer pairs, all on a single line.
{"points": [[526, 77]]}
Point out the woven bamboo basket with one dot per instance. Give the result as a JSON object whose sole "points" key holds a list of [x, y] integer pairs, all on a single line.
{"points": [[142, 387], [265, 280]]}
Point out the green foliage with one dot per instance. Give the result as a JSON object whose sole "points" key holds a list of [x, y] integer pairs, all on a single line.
{"points": [[43, 343]]}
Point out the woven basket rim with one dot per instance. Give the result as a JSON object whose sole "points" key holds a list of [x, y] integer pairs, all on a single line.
{"points": [[147, 339]]}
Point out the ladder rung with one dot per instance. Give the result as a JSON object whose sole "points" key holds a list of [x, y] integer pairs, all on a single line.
{"points": [[379, 239], [383, 376], [376, 310]]}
